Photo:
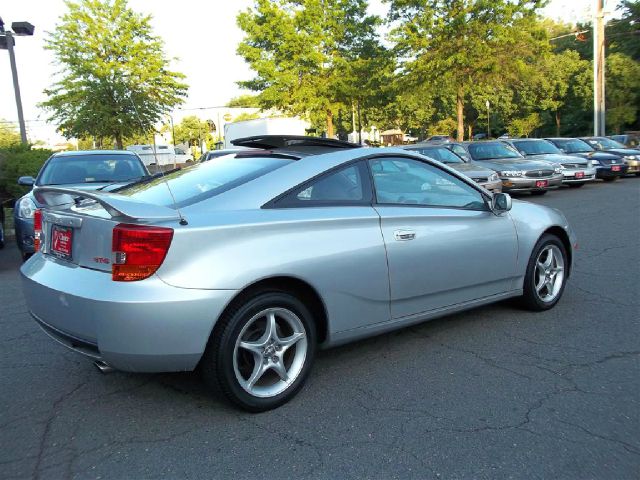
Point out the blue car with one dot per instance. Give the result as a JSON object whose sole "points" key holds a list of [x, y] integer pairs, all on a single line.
{"points": [[83, 170]]}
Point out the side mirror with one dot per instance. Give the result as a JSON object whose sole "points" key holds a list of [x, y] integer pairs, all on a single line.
{"points": [[500, 203], [26, 181]]}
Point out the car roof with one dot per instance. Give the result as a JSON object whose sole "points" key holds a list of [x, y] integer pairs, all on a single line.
{"points": [[290, 141], [75, 153]]}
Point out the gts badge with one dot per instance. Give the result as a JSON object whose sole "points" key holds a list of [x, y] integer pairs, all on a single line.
{"points": [[102, 260]]}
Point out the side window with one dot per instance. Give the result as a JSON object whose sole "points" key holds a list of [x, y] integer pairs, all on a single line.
{"points": [[348, 185], [405, 181]]}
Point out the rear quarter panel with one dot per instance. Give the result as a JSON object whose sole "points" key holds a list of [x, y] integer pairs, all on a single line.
{"points": [[339, 251]]}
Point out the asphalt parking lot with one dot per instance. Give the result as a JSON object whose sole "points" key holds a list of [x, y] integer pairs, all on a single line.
{"points": [[490, 393]]}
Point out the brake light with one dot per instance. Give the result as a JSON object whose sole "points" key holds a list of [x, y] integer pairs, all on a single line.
{"points": [[138, 251], [37, 229]]}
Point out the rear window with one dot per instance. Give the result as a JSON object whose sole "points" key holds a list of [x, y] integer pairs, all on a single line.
{"points": [[102, 168], [203, 180]]}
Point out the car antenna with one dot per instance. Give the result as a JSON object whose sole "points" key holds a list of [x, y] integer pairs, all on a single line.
{"points": [[183, 221]]}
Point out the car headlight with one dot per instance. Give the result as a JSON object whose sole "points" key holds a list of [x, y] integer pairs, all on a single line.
{"points": [[630, 157], [26, 208], [594, 162], [558, 169], [493, 177], [512, 173]]}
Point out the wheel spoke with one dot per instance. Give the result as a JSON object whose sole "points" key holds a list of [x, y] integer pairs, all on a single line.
{"points": [[270, 332], [279, 368], [540, 283], [253, 347], [258, 370], [549, 261], [291, 340]]}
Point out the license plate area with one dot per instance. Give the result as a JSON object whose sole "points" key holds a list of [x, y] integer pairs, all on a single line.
{"points": [[542, 183], [615, 168], [61, 241], [579, 174]]}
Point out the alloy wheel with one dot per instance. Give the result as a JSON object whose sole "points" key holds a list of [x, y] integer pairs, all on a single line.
{"points": [[549, 273]]}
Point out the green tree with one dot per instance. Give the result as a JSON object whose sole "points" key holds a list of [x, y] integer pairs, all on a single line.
{"points": [[244, 101], [193, 131], [459, 45], [114, 79], [9, 135], [311, 56], [623, 34], [623, 90]]}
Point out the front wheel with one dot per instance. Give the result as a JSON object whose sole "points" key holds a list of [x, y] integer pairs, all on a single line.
{"points": [[261, 353], [546, 274]]}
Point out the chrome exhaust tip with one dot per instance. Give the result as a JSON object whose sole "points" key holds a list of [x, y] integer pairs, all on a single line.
{"points": [[104, 367]]}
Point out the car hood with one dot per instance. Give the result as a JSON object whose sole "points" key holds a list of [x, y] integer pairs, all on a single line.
{"points": [[558, 158], [598, 155], [624, 151], [471, 169], [515, 164]]}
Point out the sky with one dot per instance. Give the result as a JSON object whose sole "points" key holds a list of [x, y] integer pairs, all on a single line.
{"points": [[201, 34]]}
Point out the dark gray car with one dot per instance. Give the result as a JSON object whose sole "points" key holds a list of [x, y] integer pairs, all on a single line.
{"points": [[83, 170]]}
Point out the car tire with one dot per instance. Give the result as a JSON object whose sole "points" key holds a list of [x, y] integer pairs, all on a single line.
{"points": [[26, 256], [610, 179], [576, 185], [539, 192], [546, 277], [256, 366]]}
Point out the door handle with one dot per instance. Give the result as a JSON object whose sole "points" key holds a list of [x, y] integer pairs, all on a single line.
{"points": [[404, 235]]}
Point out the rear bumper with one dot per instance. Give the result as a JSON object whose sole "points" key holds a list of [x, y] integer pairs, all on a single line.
{"points": [[145, 326]]}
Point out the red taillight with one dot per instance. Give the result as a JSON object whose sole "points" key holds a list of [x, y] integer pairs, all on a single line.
{"points": [[138, 251], [37, 229]]}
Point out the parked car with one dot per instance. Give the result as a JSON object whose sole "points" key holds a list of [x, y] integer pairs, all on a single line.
{"points": [[609, 167], [211, 154], [256, 261], [84, 170], [629, 140], [518, 174], [576, 171], [440, 138], [484, 177], [631, 156]]}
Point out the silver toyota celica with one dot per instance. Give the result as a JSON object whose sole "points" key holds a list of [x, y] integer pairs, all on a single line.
{"points": [[245, 265]]}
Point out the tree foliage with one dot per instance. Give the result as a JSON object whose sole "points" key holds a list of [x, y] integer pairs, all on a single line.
{"points": [[113, 79], [9, 134], [311, 57], [192, 131]]}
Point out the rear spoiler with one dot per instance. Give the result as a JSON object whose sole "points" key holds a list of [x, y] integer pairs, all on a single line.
{"points": [[116, 205]]}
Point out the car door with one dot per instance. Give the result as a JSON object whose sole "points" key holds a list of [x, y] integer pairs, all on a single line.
{"points": [[444, 245]]}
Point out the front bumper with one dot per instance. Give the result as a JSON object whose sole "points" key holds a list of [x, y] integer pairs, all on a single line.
{"points": [[605, 171], [145, 326], [24, 234], [526, 184], [633, 166], [569, 175]]}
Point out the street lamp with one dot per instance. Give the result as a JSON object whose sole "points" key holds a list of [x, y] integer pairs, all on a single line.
{"points": [[7, 42], [488, 124]]}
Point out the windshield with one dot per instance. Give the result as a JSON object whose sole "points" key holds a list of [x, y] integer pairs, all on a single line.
{"points": [[573, 145], [203, 180], [442, 154], [605, 143], [94, 168], [491, 151], [536, 147]]}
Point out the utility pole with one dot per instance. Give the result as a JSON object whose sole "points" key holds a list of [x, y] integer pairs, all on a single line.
{"points": [[599, 125], [488, 119]]}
